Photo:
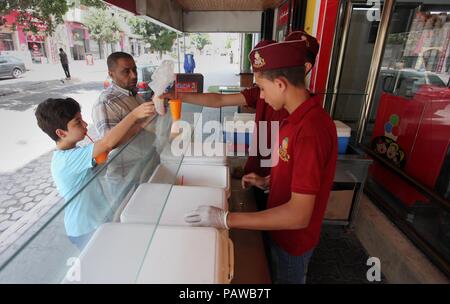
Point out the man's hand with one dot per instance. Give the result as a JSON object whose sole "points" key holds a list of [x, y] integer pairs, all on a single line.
{"points": [[169, 95], [207, 216], [253, 179], [145, 122], [144, 110]]}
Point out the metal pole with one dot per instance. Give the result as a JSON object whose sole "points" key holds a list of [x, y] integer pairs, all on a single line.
{"points": [[375, 66], [348, 16], [334, 54], [178, 49], [241, 47]]}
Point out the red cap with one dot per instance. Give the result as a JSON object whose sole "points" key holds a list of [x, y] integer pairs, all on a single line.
{"points": [[278, 55], [311, 42], [264, 43]]}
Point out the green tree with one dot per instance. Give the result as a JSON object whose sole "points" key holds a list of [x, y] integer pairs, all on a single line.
{"points": [[48, 13], [102, 26], [200, 41], [160, 39]]}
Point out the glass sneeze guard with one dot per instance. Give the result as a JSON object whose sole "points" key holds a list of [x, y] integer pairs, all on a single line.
{"points": [[49, 250]]}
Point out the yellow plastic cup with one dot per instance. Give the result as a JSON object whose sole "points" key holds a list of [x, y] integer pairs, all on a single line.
{"points": [[175, 109]]}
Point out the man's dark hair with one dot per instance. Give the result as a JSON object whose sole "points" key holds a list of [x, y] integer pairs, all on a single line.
{"points": [[295, 75], [55, 113], [112, 59], [60, 49]]}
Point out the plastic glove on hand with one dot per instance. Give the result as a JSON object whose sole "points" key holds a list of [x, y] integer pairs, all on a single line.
{"points": [[207, 216]]}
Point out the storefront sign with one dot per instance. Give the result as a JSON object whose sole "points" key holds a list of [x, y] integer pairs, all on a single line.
{"points": [[283, 14], [187, 87], [12, 19]]}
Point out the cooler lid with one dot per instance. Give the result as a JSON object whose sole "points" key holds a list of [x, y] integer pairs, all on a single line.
{"points": [[207, 154], [181, 255], [122, 253], [148, 201], [205, 176], [113, 254], [193, 175]]}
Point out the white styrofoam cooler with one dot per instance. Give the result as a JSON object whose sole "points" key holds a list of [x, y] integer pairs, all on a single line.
{"points": [[148, 200], [117, 253], [193, 175], [208, 156], [343, 134]]}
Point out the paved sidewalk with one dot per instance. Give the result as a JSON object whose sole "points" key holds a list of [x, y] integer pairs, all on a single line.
{"points": [[24, 189]]}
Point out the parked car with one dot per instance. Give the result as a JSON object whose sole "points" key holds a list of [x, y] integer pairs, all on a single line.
{"points": [[144, 76], [407, 82], [11, 66]]}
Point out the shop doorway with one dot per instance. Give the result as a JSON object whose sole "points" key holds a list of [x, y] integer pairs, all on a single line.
{"points": [[79, 44], [352, 61]]}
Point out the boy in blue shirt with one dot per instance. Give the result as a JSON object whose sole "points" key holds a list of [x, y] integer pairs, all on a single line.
{"points": [[71, 164]]}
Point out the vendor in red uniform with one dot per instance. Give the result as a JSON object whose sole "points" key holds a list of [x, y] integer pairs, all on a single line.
{"points": [[303, 165], [251, 97]]}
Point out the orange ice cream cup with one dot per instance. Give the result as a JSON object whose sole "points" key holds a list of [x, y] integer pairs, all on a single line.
{"points": [[101, 158], [175, 109]]}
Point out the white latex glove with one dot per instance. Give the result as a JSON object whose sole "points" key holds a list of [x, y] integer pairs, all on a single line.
{"points": [[207, 216], [159, 105]]}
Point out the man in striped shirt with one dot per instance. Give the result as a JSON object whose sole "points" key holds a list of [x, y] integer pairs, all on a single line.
{"points": [[120, 98]]}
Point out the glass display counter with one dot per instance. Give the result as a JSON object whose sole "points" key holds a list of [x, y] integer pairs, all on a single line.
{"points": [[87, 238]]}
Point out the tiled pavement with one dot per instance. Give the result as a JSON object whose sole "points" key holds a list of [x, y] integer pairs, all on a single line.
{"points": [[22, 190]]}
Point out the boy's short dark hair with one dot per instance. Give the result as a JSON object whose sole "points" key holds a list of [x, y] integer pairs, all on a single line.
{"points": [[295, 75], [113, 57], [55, 113]]}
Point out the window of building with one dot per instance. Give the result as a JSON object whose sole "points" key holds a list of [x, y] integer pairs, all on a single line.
{"points": [[6, 42]]}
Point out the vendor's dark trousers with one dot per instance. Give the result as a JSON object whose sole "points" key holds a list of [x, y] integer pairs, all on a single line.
{"points": [[287, 268], [261, 198], [66, 70]]}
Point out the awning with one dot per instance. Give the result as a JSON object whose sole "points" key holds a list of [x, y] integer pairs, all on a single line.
{"points": [[200, 15], [128, 5]]}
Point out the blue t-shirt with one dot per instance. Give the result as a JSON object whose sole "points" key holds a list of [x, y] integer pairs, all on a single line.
{"points": [[71, 169]]}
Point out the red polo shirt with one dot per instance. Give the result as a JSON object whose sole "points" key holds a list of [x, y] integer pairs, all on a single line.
{"points": [[264, 112], [307, 155]]}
